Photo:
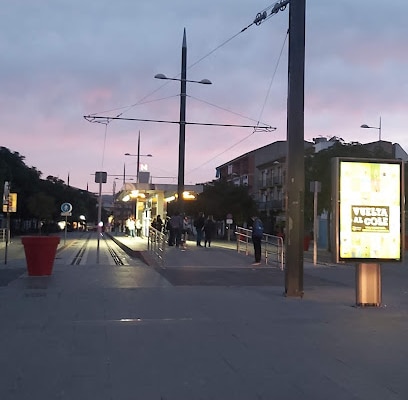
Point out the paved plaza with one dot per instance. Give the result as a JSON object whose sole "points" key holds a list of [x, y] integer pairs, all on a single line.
{"points": [[206, 325]]}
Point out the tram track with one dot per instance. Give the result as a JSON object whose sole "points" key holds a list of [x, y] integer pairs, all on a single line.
{"points": [[78, 257], [116, 258]]}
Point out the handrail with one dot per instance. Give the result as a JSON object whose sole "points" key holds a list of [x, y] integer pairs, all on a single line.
{"points": [[272, 246], [156, 244]]}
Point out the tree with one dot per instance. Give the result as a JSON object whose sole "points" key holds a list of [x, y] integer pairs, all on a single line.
{"points": [[220, 198], [43, 207], [318, 168], [27, 183]]}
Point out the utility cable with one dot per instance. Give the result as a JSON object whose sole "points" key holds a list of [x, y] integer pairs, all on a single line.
{"points": [[219, 154], [257, 21], [104, 143], [273, 76]]}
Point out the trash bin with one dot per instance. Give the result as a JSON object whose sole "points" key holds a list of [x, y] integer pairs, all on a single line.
{"points": [[368, 284], [40, 253]]}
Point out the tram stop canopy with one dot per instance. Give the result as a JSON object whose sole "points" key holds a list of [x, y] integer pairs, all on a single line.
{"points": [[154, 197]]}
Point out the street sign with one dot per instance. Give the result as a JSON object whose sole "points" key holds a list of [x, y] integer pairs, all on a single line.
{"points": [[101, 177], [11, 204], [66, 214], [6, 192], [66, 207]]}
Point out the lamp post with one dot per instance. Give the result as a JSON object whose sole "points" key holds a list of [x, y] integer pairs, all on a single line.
{"points": [[138, 155], [182, 134], [374, 127]]}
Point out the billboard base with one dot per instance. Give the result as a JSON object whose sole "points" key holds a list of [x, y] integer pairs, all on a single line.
{"points": [[368, 285]]}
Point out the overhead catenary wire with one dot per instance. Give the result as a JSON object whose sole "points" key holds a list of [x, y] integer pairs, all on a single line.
{"points": [[95, 118], [219, 154], [260, 116], [273, 76], [263, 15]]}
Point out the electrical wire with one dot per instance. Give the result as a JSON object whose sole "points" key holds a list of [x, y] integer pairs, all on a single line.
{"points": [[104, 142], [219, 154], [129, 107], [224, 109], [262, 16], [260, 116], [273, 76]]}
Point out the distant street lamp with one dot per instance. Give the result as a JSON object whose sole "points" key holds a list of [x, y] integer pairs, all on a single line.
{"points": [[374, 127], [138, 155], [182, 134]]}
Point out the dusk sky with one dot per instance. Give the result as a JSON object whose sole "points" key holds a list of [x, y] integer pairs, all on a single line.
{"points": [[64, 59]]}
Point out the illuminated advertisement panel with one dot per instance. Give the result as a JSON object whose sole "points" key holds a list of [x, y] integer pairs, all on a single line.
{"points": [[368, 209]]}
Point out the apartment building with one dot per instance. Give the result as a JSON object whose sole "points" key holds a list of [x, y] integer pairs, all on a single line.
{"points": [[263, 172]]}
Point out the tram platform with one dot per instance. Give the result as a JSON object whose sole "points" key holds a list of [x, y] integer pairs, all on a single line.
{"points": [[128, 332]]}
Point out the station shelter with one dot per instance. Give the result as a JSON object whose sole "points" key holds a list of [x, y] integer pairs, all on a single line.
{"points": [[145, 201]]}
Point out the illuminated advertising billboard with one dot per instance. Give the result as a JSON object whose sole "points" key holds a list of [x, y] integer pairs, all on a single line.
{"points": [[368, 209]]}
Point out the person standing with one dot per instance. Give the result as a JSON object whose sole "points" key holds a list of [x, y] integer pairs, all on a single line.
{"points": [[257, 233], [169, 231], [176, 222], [132, 226], [199, 225], [159, 223], [138, 228], [209, 229]]}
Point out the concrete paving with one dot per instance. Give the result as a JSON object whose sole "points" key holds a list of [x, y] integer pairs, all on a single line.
{"points": [[125, 332]]}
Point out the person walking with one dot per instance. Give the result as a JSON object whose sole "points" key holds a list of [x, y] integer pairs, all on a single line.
{"points": [[199, 225], [257, 233], [209, 229]]}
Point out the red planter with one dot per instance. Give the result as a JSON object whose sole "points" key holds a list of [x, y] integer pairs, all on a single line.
{"points": [[40, 253]]}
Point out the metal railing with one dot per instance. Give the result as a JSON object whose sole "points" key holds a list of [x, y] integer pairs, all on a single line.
{"points": [[272, 246], [156, 244]]}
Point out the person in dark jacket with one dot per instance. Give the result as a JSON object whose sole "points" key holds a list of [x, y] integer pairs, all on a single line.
{"points": [[159, 223], [257, 234], [176, 222], [199, 225], [209, 230]]}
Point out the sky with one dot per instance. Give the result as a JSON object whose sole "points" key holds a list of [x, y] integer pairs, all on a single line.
{"points": [[62, 60]]}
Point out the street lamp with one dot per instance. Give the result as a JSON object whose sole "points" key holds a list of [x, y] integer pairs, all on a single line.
{"points": [[374, 127], [182, 135], [138, 155]]}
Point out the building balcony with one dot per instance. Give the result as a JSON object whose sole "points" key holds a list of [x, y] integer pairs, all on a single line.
{"points": [[275, 205], [270, 182]]}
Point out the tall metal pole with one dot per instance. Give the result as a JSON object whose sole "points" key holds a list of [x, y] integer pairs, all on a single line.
{"points": [[379, 131], [138, 159], [137, 175], [182, 135], [99, 229], [295, 159]]}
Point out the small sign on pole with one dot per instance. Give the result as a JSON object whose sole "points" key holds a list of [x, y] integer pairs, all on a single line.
{"points": [[66, 211]]}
